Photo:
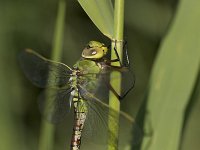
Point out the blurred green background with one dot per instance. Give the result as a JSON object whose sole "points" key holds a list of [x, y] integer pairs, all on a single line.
{"points": [[163, 45]]}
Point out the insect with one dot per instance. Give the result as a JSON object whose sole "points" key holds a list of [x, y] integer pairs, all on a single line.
{"points": [[84, 87]]}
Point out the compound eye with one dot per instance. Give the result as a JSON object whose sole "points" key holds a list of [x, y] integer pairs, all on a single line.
{"points": [[93, 52]]}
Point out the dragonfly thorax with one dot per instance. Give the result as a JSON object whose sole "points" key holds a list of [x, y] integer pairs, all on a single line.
{"points": [[86, 66]]}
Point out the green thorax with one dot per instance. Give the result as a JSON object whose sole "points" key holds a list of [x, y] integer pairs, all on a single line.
{"points": [[86, 66], [87, 78]]}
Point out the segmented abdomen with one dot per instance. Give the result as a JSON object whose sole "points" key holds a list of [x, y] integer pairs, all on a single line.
{"points": [[80, 112]]}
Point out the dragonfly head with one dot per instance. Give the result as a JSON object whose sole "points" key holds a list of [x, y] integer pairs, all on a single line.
{"points": [[94, 50]]}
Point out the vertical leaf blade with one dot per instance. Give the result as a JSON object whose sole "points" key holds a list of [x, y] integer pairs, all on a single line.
{"points": [[173, 79], [101, 13], [191, 133]]}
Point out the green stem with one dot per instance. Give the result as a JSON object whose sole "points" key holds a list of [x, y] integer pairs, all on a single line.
{"points": [[114, 101], [46, 141], [119, 20], [59, 31]]}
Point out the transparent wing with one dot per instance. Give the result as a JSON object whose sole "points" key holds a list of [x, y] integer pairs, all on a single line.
{"points": [[43, 72], [54, 104], [115, 74], [96, 126], [99, 85]]}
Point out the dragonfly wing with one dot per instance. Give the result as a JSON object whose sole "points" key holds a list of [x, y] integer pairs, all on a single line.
{"points": [[43, 72], [54, 104], [99, 86], [118, 75], [96, 125], [96, 94]]}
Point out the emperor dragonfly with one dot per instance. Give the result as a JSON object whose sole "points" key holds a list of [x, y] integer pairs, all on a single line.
{"points": [[82, 86]]}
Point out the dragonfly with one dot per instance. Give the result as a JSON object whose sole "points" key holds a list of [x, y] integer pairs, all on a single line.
{"points": [[83, 87]]}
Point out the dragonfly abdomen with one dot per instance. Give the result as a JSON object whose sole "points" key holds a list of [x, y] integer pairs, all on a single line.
{"points": [[79, 120], [80, 112]]}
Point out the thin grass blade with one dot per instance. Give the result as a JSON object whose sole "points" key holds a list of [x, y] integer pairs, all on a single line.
{"points": [[173, 79], [101, 13]]}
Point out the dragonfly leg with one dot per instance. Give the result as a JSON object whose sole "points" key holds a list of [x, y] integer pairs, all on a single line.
{"points": [[117, 95], [108, 62], [125, 54], [120, 97], [114, 92], [116, 53], [123, 94]]}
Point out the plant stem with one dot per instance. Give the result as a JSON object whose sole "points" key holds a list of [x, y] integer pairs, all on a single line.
{"points": [[119, 20], [46, 141], [59, 31], [114, 102]]}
